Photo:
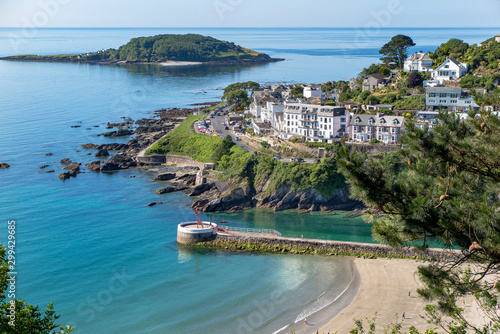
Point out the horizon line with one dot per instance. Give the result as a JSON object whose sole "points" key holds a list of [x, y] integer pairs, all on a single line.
{"points": [[386, 28]]}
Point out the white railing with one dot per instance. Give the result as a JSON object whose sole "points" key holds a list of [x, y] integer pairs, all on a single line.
{"points": [[251, 230]]}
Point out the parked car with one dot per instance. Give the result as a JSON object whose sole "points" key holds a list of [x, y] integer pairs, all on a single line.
{"points": [[236, 138], [300, 160], [226, 127], [277, 157]]}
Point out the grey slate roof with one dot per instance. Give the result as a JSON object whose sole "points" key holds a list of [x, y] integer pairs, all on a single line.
{"points": [[364, 120], [450, 90]]}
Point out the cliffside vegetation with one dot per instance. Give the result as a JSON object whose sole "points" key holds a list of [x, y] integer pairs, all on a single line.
{"points": [[160, 48]]}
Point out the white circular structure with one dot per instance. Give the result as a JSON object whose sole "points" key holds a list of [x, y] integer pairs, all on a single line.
{"points": [[193, 232]]}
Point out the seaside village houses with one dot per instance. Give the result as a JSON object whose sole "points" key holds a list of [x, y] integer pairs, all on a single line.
{"points": [[310, 120]]}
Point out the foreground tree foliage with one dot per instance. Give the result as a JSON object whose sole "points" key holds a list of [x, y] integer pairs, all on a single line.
{"points": [[442, 186], [29, 319]]}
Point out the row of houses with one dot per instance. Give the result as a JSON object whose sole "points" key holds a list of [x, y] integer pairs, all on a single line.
{"points": [[450, 69], [320, 123]]}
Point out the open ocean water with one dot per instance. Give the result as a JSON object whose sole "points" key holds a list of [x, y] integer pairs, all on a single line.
{"points": [[90, 245]]}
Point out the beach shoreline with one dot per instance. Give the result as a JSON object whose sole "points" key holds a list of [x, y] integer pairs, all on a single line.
{"points": [[387, 288]]}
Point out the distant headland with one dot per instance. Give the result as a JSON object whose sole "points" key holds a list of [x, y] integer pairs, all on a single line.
{"points": [[168, 49]]}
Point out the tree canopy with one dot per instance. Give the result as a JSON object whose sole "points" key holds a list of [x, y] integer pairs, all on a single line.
{"points": [[396, 50], [442, 187]]}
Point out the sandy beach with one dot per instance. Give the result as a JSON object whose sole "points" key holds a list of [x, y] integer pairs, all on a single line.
{"points": [[384, 287], [179, 63]]}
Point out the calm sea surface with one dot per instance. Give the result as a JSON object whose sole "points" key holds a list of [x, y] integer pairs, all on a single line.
{"points": [[90, 245]]}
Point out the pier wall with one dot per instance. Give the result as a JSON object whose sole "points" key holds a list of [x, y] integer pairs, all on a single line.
{"points": [[253, 242]]}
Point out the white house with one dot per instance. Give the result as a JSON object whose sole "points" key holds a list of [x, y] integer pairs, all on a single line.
{"points": [[497, 38], [315, 123], [312, 92], [418, 62], [387, 129], [450, 70]]}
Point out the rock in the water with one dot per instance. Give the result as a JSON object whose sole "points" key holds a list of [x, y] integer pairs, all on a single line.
{"points": [[165, 177], [94, 166], [110, 167], [102, 153], [118, 133], [47, 171], [187, 179], [49, 154], [71, 173], [89, 146], [43, 167], [154, 203], [3, 165], [66, 161], [73, 166], [76, 126]]}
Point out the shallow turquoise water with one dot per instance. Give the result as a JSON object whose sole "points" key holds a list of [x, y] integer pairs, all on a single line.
{"points": [[90, 245]]}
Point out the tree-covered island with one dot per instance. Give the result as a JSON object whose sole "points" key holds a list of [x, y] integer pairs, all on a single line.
{"points": [[163, 48]]}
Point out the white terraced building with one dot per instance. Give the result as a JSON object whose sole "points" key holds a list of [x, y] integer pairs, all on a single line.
{"points": [[387, 129], [314, 123]]}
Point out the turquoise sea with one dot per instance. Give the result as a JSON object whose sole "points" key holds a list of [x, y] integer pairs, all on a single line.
{"points": [[90, 245]]}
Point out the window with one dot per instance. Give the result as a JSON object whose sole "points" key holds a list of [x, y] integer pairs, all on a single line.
{"points": [[453, 101], [454, 95], [446, 66], [342, 119], [432, 101], [442, 95], [442, 101], [432, 94], [468, 102]]}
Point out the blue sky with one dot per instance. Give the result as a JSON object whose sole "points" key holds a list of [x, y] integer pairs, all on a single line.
{"points": [[249, 13]]}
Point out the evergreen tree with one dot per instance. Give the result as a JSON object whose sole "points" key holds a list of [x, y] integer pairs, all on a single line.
{"points": [[396, 51], [442, 186]]}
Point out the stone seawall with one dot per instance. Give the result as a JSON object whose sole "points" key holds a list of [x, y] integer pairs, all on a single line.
{"points": [[254, 242]]}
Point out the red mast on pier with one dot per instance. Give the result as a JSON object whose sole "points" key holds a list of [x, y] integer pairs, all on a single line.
{"points": [[198, 220]]}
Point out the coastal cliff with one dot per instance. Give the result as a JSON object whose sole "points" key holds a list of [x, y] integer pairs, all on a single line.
{"points": [[237, 198]]}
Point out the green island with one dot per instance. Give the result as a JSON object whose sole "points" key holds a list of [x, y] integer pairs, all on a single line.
{"points": [[163, 48]]}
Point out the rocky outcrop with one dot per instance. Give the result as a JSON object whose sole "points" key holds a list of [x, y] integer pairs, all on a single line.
{"points": [[117, 162], [237, 198], [49, 154], [72, 166], [201, 189], [102, 153], [118, 133], [169, 190], [94, 166], [4, 165], [66, 161], [72, 173], [154, 203], [43, 166], [107, 147], [165, 177]]}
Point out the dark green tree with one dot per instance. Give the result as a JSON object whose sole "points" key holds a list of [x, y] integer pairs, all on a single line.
{"points": [[442, 186], [223, 148], [298, 91], [249, 86], [396, 51], [28, 318], [414, 80], [384, 71], [239, 97]]}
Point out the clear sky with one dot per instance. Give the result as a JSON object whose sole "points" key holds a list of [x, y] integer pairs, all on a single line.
{"points": [[249, 13]]}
